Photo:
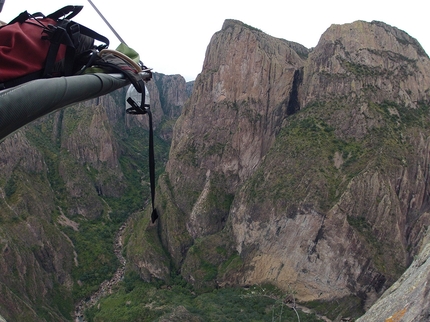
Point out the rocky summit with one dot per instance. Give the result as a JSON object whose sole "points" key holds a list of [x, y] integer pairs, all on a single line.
{"points": [[301, 169]]}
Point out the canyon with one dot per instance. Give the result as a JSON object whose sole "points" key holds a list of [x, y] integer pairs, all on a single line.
{"points": [[303, 168]]}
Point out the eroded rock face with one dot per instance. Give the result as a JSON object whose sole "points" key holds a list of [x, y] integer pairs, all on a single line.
{"points": [[407, 298], [356, 247], [365, 63], [363, 55], [173, 93], [246, 90], [328, 253], [313, 162], [34, 256]]}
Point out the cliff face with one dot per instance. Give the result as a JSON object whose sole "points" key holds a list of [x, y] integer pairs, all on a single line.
{"points": [[367, 63], [67, 181], [377, 204], [407, 298], [304, 169], [245, 116], [35, 255], [173, 94]]}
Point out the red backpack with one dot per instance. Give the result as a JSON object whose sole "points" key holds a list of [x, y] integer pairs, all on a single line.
{"points": [[33, 46]]}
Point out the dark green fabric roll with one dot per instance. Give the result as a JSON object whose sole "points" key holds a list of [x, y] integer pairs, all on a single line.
{"points": [[25, 103]]}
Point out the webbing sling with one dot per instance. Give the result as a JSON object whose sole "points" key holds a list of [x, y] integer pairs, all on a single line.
{"points": [[154, 214], [145, 109]]}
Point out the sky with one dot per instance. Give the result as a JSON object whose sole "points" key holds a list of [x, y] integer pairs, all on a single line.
{"points": [[171, 36]]}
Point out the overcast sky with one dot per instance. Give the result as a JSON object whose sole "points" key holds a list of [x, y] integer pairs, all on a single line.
{"points": [[171, 36]]}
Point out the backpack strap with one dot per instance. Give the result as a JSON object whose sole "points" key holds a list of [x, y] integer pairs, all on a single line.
{"points": [[68, 33], [91, 33], [23, 16], [67, 12], [58, 35]]}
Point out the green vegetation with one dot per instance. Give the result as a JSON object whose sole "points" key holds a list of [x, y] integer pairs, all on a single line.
{"points": [[347, 307], [151, 302], [232, 264], [209, 259], [360, 69], [97, 261], [188, 155], [251, 27], [401, 117], [301, 163], [11, 186], [62, 300], [381, 250], [365, 229], [360, 224], [93, 241], [218, 200]]}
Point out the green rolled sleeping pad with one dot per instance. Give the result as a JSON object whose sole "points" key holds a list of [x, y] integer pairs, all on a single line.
{"points": [[25, 103]]}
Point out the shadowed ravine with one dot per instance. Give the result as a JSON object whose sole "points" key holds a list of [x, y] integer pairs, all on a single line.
{"points": [[105, 287]]}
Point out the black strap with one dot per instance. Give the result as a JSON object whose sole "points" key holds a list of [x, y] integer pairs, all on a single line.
{"points": [[58, 35], [67, 32], [72, 11], [23, 16], [154, 214], [145, 109], [91, 33]]}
